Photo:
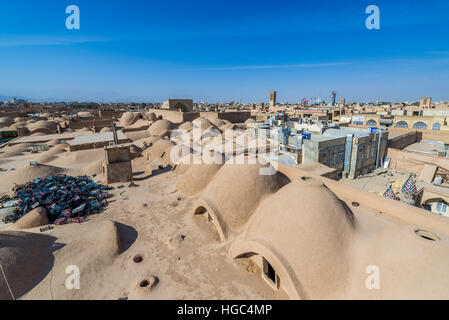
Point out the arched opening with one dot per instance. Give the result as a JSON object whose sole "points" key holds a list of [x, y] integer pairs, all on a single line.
{"points": [[420, 125], [181, 107], [259, 265], [436, 126], [204, 210], [371, 123], [401, 124], [270, 275]]}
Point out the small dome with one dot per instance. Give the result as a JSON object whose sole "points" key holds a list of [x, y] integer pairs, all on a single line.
{"points": [[151, 116], [187, 126], [202, 123], [217, 122], [84, 114], [160, 127], [158, 150], [197, 177], [126, 118]]}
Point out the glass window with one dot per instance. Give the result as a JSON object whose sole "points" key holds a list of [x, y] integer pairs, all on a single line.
{"points": [[342, 156]]}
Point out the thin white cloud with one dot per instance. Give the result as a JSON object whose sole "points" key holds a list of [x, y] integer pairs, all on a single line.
{"points": [[36, 41], [275, 66]]}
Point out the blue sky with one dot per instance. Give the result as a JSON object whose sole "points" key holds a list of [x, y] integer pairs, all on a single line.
{"points": [[222, 50]]}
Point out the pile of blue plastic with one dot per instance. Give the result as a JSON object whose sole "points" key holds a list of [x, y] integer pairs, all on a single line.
{"points": [[63, 197]]}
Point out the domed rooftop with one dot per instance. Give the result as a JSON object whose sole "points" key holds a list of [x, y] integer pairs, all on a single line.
{"points": [[19, 125], [198, 176], [235, 192], [126, 118], [187, 126], [42, 126], [130, 118], [202, 123], [157, 153], [151, 116], [84, 114], [217, 122], [228, 126], [160, 127], [306, 231]]}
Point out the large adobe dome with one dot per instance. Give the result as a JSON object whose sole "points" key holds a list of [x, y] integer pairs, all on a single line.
{"points": [[150, 116], [160, 127], [198, 176], [126, 118], [187, 126], [20, 119], [303, 231], [42, 126], [202, 123], [217, 122], [84, 114], [234, 193], [159, 153], [130, 118], [19, 125]]}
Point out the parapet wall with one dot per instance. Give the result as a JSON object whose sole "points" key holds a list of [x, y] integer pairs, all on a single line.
{"points": [[96, 123], [175, 116], [93, 145], [180, 117], [414, 162], [404, 140], [233, 117], [438, 135]]}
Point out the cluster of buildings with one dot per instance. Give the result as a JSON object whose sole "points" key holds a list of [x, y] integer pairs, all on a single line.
{"points": [[375, 168], [350, 151]]}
